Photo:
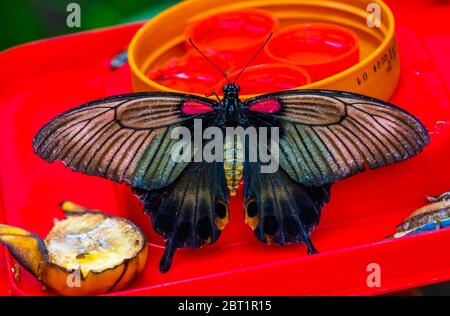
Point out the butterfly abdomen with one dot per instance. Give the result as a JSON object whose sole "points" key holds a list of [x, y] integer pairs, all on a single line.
{"points": [[233, 157]]}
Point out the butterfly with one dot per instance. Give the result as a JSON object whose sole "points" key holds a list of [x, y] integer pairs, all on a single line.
{"points": [[324, 136]]}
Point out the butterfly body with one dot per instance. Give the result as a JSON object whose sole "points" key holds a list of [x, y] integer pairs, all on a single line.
{"points": [[233, 155], [233, 163]]}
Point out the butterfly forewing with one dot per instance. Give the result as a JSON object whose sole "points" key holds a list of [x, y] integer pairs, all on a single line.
{"points": [[326, 136], [126, 138]]}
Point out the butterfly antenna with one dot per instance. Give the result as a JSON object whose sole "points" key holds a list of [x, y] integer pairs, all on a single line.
{"points": [[209, 60], [253, 57]]}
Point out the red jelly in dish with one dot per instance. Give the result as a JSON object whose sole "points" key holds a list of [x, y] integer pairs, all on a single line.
{"points": [[191, 73], [234, 35], [322, 49], [268, 78]]}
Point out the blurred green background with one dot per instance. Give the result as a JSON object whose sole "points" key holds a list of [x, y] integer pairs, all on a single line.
{"points": [[27, 20]]}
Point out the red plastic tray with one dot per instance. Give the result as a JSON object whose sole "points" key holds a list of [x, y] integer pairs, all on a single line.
{"points": [[42, 79], [4, 283]]}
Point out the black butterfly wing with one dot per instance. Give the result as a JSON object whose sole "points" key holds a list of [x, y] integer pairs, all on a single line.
{"points": [[325, 136], [126, 138], [192, 211], [280, 210]]}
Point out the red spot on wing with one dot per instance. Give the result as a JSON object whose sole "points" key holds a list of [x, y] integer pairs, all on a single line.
{"points": [[191, 107], [266, 106]]}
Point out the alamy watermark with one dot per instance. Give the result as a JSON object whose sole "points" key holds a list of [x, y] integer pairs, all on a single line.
{"points": [[374, 277], [73, 280], [374, 17], [74, 17], [215, 144]]}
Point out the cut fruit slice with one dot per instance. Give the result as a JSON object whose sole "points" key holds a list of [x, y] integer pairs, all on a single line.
{"points": [[87, 253]]}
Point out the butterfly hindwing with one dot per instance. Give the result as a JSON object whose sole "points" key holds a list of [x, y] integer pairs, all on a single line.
{"points": [[280, 210], [126, 138], [190, 212], [326, 136]]}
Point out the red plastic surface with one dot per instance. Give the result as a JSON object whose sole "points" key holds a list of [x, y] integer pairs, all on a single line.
{"points": [[4, 283], [43, 79]]}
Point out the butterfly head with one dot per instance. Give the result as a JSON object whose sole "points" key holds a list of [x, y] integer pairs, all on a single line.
{"points": [[231, 89]]}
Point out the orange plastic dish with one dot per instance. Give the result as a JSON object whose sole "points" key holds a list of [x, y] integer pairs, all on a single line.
{"points": [[376, 74], [322, 49]]}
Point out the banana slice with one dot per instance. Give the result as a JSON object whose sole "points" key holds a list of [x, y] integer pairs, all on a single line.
{"points": [[87, 253]]}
